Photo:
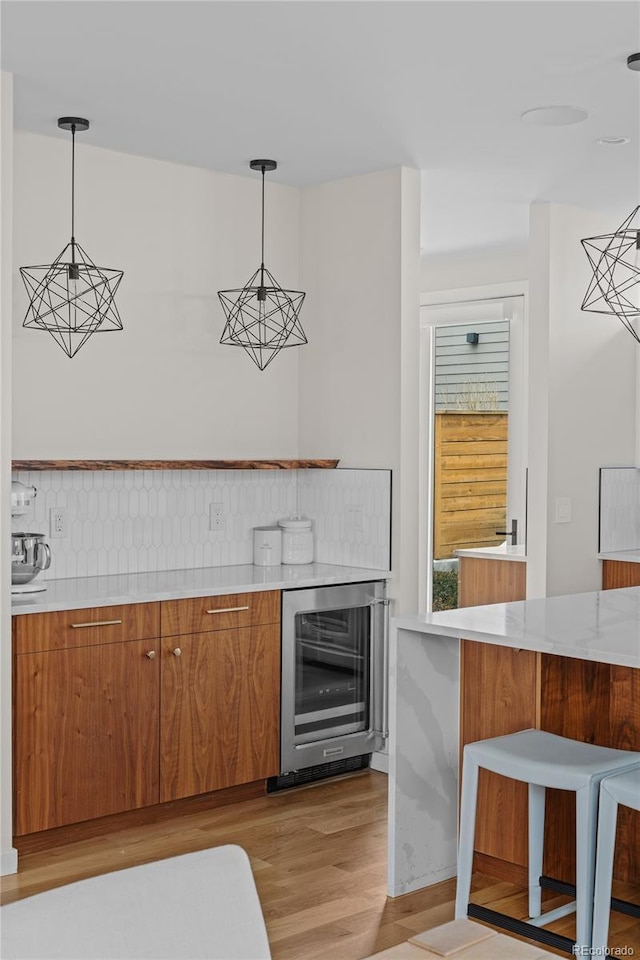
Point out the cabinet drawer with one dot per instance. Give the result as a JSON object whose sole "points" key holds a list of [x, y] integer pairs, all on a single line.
{"points": [[64, 629], [204, 614]]}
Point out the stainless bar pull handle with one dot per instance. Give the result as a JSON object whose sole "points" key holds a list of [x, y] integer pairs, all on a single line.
{"points": [[228, 610], [96, 623], [383, 681], [385, 673]]}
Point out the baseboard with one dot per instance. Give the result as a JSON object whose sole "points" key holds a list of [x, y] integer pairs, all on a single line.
{"points": [[74, 832], [8, 862], [380, 761]]}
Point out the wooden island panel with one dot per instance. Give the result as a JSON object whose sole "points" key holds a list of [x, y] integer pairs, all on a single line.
{"points": [[620, 573], [624, 719], [498, 696], [596, 703]]}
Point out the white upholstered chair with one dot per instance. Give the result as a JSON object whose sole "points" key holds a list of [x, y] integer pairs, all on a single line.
{"points": [[198, 905]]}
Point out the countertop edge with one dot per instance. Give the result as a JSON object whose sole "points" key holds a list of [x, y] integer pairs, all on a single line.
{"points": [[623, 556], [491, 553], [304, 576], [600, 626]]}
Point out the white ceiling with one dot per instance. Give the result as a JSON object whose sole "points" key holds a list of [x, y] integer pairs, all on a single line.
{"points": [[334, 88]]}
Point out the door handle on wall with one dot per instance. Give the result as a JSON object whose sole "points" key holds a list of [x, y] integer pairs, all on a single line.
{"points": [[513, 533]]}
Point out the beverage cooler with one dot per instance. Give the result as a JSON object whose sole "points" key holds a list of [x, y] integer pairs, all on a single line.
{"points": [[334, 675]]}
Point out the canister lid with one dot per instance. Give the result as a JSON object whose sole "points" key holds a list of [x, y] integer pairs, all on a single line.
{"points": [[295, 523]]}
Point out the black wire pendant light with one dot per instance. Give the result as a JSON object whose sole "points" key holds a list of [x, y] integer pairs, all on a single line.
{"points": [[614, 287], [261, 316], [72, 297]]}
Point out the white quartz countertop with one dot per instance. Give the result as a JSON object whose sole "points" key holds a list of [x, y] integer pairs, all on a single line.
{"points": [[503, 551], [603, 626], [628, 556], [76, 593]]}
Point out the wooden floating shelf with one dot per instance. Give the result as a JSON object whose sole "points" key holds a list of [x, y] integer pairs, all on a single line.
{"points": [[174, 464]]}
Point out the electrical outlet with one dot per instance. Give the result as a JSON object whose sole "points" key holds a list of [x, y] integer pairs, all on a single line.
{"points": [[57, 523], [216, 516]]}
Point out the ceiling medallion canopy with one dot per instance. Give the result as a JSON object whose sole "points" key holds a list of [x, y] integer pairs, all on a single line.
{"points": [[614, 287], [72, 298], [262, 317]]}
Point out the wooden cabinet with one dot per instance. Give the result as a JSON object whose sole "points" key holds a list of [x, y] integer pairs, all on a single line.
{"points": [[86, 723], [620, 573], [121, 707], [220, 694]]}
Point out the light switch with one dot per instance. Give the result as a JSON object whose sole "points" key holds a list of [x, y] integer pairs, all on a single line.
{"points": [[563, 509]]}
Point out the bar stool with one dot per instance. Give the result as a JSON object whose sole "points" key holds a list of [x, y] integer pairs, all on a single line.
{"points": [[542, 760], [622, 789]]}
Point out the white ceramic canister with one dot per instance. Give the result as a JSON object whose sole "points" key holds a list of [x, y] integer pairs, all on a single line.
{"points": [[267, 546], [297, 540]]}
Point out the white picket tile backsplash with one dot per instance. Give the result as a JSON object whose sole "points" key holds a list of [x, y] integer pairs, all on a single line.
{"points": [[351, 510], [619, 509], [135, 521]]}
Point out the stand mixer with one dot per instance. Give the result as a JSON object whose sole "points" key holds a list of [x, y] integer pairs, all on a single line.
{"points": [[29, 553]]}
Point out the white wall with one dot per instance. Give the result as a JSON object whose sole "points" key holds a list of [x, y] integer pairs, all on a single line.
{"points": [[473, 268], [582, 406], [8, 855], [164, 387], [359, 373]]}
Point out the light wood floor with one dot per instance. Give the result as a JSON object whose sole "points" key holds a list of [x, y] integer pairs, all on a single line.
{"points": [[319, 860]]}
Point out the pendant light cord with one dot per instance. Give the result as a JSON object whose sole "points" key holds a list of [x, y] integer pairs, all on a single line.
{"points": [[73, 191], [262, 248]]}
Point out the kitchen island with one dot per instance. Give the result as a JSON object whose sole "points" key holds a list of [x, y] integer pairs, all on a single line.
{"points": [[587, 688]]}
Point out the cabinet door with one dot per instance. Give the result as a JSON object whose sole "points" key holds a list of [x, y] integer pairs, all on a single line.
{"points": [[220, 710], [86, 733]]}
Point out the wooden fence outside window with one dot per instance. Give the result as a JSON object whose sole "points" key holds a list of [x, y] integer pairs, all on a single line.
{"points": [[470, 480]]}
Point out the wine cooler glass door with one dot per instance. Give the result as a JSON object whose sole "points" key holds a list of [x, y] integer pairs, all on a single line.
{"points": [[332, 673]]}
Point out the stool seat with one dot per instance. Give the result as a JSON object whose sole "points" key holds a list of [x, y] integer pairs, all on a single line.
{"points": [[542, 760], [535, 756], [624, 788]]}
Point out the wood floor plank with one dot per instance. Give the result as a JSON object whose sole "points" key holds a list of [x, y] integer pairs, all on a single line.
{"points": [[319, 859]]}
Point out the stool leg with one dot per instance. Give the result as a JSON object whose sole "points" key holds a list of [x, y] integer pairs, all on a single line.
{"points": [[586, 824], [607, 821], [536, 847], [467, 834]]}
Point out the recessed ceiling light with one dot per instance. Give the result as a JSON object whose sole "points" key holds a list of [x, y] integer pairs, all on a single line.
{"points": [[633, 61], [557, 116], [613, 141]]}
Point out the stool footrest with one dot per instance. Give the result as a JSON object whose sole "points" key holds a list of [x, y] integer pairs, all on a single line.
{"points": [[551, 915], [625, 906], [620, 906], [521, 927], [558, 886]]}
